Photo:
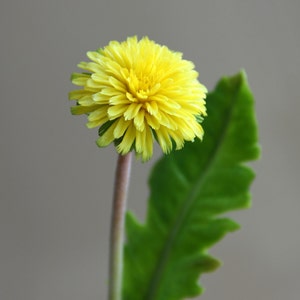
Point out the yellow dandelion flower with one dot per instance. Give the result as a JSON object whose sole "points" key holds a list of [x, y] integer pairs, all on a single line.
{"points": [[137, 91]]}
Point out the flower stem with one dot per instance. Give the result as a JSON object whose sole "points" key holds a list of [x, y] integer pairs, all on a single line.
{"points": [[117, 226]]}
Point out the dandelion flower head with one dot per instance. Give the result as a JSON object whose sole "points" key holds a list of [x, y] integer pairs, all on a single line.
{"points": [[138, 91]]}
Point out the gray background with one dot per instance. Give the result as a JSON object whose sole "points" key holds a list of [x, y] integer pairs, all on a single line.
{"points": [[56, 185]]}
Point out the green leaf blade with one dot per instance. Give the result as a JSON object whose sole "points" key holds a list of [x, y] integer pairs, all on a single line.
{"points": [[190, 189]]}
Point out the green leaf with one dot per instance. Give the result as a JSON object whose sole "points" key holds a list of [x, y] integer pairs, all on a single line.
{"points": [[190, 190]]}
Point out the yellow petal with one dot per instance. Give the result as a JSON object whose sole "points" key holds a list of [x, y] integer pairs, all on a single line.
{"points": [[77, 94], [97, 114], [86, 101], [127, 141], [152, 121], [164, 139], [151, 107], [117, 84], [94, 56], [121, 127], [139, 120], [107, 137], [79, 110], [80, 79], [116, 111], [132, 110], [97, 123], [118, 100]]}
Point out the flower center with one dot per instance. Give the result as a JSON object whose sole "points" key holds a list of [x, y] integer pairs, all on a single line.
{"points": [[142, 86], [143, 89]]}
